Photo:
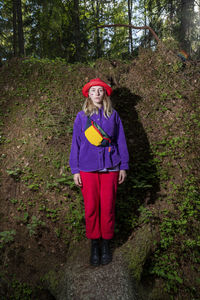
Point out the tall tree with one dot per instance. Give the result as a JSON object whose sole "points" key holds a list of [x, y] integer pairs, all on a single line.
{"points": [[18, 33], [130, 7], [96, 12], [77, 34], [186, 23], [18, 5], [14, 4]]}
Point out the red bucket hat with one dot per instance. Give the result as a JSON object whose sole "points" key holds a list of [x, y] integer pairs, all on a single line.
{"points": [[94, 82]]}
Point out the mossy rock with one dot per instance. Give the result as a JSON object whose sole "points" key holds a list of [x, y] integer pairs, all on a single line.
{"points": [[135, 253], [52, 281], [137, 250]]}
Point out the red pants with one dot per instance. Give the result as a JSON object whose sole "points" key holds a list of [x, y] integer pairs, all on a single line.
{"points": [[99, 193]]}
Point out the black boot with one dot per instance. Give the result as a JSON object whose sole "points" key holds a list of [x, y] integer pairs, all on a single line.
{"points": [[95, 258], [106, 256]]}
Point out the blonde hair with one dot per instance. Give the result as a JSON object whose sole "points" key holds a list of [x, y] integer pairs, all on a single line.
{"points": [[89, 108]]}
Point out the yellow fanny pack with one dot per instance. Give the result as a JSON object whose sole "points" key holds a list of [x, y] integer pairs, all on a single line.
{"points": [[96, 135]]}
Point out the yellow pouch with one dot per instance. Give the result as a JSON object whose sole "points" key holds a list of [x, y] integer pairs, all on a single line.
{"points": [[96, 135], [93, 136]]}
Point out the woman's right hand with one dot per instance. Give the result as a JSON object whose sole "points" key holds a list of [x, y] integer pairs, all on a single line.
{"points": [[77, 179]]}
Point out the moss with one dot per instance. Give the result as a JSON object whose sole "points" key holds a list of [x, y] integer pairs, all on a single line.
{"points": [[137, 250], [51, 280]]}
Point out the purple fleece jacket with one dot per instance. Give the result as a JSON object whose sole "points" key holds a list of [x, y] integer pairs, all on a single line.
{"points": [[86, 157]]}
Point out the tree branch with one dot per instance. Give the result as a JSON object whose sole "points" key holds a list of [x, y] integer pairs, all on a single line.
{"points": [[134, 27]]}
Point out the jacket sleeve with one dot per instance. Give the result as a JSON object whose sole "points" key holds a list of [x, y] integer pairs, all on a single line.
{"points": [[122, 146], [75, 147]]}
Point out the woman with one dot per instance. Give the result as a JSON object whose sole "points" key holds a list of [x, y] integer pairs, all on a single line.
{"points": [[99, 160]]}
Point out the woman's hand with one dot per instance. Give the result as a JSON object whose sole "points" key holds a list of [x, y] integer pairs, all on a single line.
{"points": [[122, 176], [77, 179]]}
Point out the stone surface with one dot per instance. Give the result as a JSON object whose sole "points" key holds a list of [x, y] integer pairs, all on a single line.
{"points": [[84, 282]]}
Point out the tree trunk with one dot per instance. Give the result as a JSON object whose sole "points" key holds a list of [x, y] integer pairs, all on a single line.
{"points": [[97, 36], [171, 9], [77, 36], [20, 28], [98, 52], [186, 25], [130, 5], [14, 8], [148, 39], [171, 14], [145, 24]]}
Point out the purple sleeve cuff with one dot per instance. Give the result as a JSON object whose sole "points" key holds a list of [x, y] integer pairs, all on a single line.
{"points": [[74, 171], [124, 166]]}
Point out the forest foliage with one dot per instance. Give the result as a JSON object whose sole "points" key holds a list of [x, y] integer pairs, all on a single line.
{"points": [[69, 29]]}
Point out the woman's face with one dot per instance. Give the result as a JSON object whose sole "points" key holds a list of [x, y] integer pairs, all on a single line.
{"points": [[96, 94]]}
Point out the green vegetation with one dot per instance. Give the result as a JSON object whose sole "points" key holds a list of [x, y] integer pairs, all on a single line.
{"points": [[6, 237], [35, 223], [70, 30], [179, 240], [75, 218], [21, 291]]}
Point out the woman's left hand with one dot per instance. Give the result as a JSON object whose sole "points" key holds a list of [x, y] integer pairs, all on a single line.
{"points": [[122, 176]]}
